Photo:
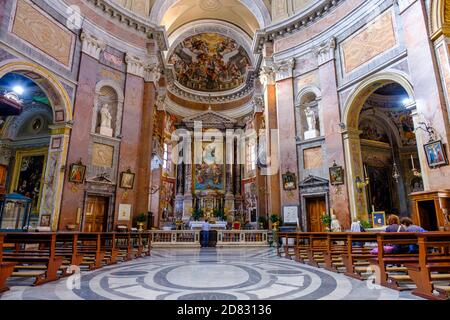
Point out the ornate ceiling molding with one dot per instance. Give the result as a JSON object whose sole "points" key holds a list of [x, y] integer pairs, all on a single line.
{"points": [[130, 20], [294, 24]]}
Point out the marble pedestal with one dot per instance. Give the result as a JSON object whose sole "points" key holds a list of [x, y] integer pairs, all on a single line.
{"points": [[105, 131], [311, 134]]}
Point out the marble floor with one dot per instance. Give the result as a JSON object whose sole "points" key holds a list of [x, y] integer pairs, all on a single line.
{"points": [[206, 274]]}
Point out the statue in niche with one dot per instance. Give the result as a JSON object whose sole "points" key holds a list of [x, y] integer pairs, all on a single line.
{"points": [[311, 118], [105, 121]]}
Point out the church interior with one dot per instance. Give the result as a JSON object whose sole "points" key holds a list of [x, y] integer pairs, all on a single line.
{"points": [[293, 147]]}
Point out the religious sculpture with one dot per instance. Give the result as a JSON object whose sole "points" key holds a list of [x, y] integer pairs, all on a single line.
{"points": [[311, 119], [335, 225], [105, 121]]}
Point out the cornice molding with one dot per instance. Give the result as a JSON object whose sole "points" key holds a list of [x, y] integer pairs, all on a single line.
{"points": [[294, 24]]}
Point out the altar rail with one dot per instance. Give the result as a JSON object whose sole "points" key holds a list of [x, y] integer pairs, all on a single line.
{"points": [[172, 238], [225, 238], [242, 238]]}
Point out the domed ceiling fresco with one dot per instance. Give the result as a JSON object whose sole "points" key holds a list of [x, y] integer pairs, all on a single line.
{"points": [[210, 62]]}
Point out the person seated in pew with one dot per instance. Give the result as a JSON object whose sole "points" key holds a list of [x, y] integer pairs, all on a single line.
{"points": [[411, 227], [394, 225]]}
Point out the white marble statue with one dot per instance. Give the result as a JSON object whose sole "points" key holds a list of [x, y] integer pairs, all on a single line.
{"points": [[310, 118], [105, 117], [335, 225]]}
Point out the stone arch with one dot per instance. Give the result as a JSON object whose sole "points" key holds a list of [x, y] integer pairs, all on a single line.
{"points": [[47, 81], [120, 100], [356, 99], [61, 105], [439, 19], [353, 107]]}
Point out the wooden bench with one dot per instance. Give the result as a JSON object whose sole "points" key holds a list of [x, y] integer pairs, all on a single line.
{"points": [[6, 268], [40, 262], [432, 266], [123, 244], [356, 259], [336, 246], [89, 245], [316, 249], [286, 244]]}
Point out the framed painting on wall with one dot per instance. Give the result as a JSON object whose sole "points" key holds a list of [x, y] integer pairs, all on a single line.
{"points": [[435, 153], [289, 181], [379, 219], [77, 172], [127, 180], [336, 175]]}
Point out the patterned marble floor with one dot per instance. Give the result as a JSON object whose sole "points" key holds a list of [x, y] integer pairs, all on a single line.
{"points": [[206, 274]]}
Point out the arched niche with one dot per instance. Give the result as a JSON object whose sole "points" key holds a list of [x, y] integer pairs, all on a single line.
{"points": [[308, 106], [110, 93]]}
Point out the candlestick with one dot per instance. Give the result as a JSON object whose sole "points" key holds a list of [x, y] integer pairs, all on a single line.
{"points": [[412, 161], [365, 172]]}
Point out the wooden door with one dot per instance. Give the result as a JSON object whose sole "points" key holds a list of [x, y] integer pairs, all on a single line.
{"points": [[315, 208], [96, 214]]}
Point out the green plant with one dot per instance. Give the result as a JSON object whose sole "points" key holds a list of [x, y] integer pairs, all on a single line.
{"points": [[219, 214], [197, 214], [366, 224], [326, 220], [263, 220], [142, 217], [275, 218]]}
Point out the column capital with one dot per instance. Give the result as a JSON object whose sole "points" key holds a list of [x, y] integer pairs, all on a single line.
{"points": [[161, 100], [325, 51], [91, 45], [258, 103], [267, 75], [135, 65], [152, 73], [284, 69]]}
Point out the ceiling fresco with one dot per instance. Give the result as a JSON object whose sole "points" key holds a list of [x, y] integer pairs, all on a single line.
{"points": [[210, 62]]}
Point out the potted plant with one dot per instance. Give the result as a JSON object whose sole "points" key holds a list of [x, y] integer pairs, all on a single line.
{"points": [[365, 224], [262, 222], [275, 219], [140, 221], [326, 221]]}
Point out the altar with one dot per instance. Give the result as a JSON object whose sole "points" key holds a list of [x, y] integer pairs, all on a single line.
{"points": [[198, 225]]}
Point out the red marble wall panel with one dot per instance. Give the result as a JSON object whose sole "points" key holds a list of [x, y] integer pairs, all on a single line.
{"points": [[73, 195]]}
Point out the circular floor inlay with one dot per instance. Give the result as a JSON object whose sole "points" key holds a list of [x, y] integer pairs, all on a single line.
{"points": [[284, 272], [207, 276], [207, 296], [129, 273]]}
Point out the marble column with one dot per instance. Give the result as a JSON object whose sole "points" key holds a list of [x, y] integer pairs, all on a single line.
{"points": [[179, 198], [331, 130], [187, 158], [73, 195], [237, 179], [267, 79], [229, 174], [129, 157]]}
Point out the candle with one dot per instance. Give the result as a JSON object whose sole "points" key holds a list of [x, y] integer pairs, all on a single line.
{"points": [[412, 161], [365, 172], [373, 208]]}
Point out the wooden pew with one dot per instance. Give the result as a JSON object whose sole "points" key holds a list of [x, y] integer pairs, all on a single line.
{"points": [[123, 244], [302, 245], [286, 245], [6, 268], [108, 245], [356, 259], [316, 249], [89, 245], [337, 243], [41, 263], [67, 247], [395, 275], [433, 265]]}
